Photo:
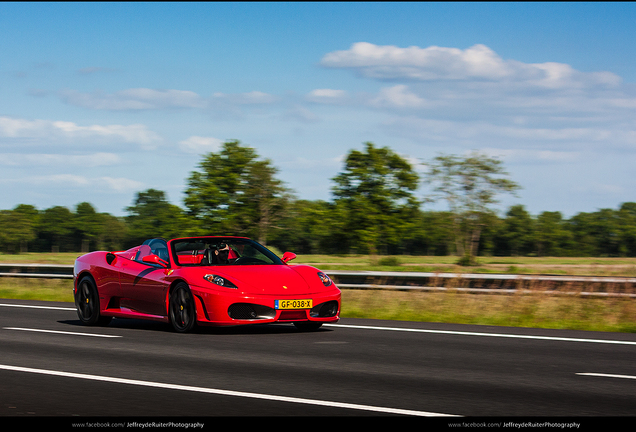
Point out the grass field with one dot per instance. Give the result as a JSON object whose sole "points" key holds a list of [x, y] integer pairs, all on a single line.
{"points": [[580, 266], [517, 309]]}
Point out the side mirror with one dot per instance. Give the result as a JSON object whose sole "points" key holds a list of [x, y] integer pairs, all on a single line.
{"points": [[154, 259], [288, 256]]}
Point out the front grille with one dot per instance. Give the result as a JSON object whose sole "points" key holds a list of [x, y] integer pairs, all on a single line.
{"points": [[247, 311], [291, 315]]}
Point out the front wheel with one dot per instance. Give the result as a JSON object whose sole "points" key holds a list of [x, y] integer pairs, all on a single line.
{"points": [[182, 311], [87, 303]]}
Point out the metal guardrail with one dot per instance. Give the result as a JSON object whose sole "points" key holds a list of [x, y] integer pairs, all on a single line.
{"points": [[484, 276], [47, 271], [487, 283], [461, 282]]}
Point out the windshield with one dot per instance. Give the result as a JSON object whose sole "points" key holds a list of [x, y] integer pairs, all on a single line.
{"points": [[202, 251]]}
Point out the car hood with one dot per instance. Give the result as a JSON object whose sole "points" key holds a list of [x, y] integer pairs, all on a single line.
{"points": [[266, 279]]}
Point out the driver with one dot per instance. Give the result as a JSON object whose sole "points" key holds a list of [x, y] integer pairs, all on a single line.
{"points": [[222, 253]]}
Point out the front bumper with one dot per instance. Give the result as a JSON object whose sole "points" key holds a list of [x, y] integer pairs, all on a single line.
{"points": [[227, 308]]}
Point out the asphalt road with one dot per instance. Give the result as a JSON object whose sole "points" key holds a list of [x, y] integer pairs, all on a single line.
{"points": [[51, 365]]}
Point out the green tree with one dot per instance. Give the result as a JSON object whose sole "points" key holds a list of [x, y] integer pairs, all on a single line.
{"points": [[607, 232], [491, 229], [303, 227], [152, 215], [17, 228], [375, 190], [518, 231], [236, 193], [114, 233], [29, 216], [470, 186], [552, 237], [56, 227], [581, 228], [88, 225], [439, 232], [627, 222], [597, 234]]}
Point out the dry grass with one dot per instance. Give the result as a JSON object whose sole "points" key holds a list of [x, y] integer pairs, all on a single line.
{"points": [[62, 258], [579, 266], [36, 289], [516, 310]]}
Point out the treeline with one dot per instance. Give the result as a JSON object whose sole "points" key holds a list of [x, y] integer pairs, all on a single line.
{"points": [[374, 210], [316, 227]]}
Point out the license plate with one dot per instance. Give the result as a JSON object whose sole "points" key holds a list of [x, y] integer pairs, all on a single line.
{"points": [[293, 304]]}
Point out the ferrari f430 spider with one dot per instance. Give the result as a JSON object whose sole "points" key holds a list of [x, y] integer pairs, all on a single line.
{"points": [[203, 281]]}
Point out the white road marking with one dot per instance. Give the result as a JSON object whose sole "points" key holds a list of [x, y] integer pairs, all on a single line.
{"points": [[37, 307], [608, 375], [226, 392], [61, 332], [503, 335], [462, 333]]}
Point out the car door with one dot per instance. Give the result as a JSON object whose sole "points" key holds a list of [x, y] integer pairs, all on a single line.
{"points": [[144, 286]]}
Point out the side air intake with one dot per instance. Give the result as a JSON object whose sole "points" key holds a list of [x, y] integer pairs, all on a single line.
{"points": [[248, 311]]}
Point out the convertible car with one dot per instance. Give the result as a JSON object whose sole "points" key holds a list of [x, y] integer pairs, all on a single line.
{"points": [[203, 281]]}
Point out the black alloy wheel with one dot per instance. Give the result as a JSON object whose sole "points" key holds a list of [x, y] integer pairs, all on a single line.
{"points": [[182, 311], [87, 303]]}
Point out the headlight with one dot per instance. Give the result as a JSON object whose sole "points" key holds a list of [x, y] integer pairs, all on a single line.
{"points": [[326, 281], [218, 280]]}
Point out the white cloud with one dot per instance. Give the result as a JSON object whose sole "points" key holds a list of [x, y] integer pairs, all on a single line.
{"points": [[90, 160], [301, 114], [47, 129], [135, 99], [72, 180], [56, 179], [249, 98], [388, 62], [17, 128], [138, 99], [122, 184], [199, 144], [398, 96], [131, 133], [526, 155], [478, 62], [319, 165], [473, 98], [326, 95], [471, 134]]}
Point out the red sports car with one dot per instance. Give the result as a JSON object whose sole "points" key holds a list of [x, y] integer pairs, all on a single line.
{"points": [[203, 281]]}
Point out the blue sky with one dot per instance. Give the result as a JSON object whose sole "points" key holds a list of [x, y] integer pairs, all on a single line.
{"points": [[99, 101]]}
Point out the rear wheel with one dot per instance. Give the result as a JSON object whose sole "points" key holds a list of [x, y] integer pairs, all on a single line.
{"points": [[87, 303], [182, 311]]}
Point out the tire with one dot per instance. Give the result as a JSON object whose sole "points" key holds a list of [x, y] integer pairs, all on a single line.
{"points": [[87, 303], [183, 316], [308, 326]]}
